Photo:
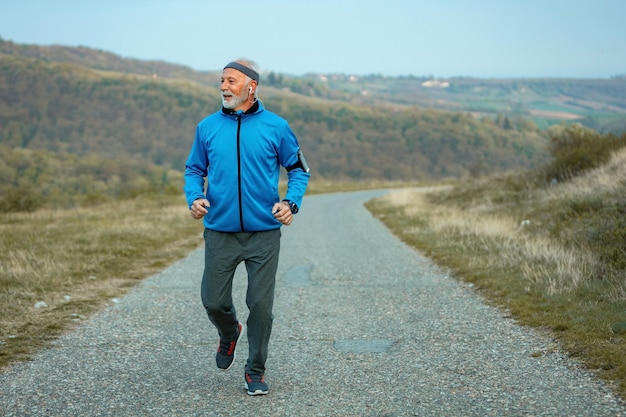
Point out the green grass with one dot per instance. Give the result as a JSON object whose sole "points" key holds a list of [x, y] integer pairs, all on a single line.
{"points": [[556, 107]]}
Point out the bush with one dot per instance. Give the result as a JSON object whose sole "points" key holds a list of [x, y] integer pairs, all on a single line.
{"points": [[19, 200], [576, 149], [609, 234]]}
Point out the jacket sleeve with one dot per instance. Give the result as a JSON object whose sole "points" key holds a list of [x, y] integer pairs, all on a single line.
{"points": [[297, 179], [196, 170]]}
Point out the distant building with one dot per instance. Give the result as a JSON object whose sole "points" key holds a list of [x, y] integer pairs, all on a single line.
{"points": [[435, 84]]}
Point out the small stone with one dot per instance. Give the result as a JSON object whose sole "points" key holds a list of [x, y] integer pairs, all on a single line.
{"points": [[41, 304], [67, 297]]}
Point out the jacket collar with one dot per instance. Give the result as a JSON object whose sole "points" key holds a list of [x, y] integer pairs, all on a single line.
{"points": [[255, 107]]}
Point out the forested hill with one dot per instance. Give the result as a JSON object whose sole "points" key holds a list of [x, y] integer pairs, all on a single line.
{"points": [[596, 103], [102, 60], [68, 107]]}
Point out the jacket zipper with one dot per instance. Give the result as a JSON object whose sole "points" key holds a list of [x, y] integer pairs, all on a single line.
{"points": [[239, 171]]}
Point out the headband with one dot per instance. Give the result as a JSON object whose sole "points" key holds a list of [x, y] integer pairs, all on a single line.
{"points": [[242, 68]]}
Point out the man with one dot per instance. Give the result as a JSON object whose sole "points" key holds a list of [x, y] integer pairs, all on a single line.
{"points": [[239, 150]]}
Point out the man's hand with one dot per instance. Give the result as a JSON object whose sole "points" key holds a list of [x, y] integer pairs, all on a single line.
{"points": [[282, 213], [199, 208]]}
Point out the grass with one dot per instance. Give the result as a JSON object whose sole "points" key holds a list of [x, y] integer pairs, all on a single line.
{"points": [[553, 257], [76, 261], [326, 186]]}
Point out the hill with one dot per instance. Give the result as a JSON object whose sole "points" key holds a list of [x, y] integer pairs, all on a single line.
{"points": [[47, 104], [595, 103], [106, 61], [599, 104]]}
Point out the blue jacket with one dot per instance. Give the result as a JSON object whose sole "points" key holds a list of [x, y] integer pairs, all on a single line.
{"points": [[240, 155]]}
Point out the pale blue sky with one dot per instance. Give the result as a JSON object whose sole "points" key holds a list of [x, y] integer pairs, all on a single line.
{"points": [[444, 38]]}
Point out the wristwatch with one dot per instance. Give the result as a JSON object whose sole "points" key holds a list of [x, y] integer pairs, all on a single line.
{"points": [[292, 206]]}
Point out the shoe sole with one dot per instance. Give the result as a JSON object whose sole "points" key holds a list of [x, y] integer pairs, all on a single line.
{"points": [[235, 351]]}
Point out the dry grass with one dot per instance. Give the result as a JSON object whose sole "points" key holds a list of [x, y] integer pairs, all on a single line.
{"points": [[606, 179], [549, 255], [76, 261], [326, 186], [542, 260]]}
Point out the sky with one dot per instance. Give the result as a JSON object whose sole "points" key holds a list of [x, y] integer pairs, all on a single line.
{"points": [[437, 38]]}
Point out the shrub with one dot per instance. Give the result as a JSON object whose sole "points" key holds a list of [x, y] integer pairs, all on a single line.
{"points": [[19, 200], [576, 149]]}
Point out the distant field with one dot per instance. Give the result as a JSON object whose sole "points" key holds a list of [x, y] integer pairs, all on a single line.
{"points": [[555, 115], [596, 103]]}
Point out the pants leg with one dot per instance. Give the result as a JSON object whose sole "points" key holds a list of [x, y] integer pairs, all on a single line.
{"points": [[262, 251], [222, 254]]}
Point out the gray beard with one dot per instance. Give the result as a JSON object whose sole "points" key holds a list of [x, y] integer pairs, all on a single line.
{"points": [[235, 101]]}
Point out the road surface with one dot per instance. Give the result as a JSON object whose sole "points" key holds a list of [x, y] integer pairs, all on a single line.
{"points": [[364, 326]]}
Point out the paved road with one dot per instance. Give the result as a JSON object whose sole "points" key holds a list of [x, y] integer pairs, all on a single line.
{"points": [[364, 327]]}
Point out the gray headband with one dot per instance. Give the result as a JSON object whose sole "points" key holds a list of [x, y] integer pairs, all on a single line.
{"points": [[242, 68]]}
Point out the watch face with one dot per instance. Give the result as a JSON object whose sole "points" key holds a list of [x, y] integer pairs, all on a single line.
{"points": [[293, 207]]}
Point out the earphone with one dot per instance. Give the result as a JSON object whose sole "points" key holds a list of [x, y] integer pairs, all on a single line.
{"points": [[250, 90]]}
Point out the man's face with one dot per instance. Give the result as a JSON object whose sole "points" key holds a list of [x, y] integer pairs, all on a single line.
{"points": [[234, 89]]}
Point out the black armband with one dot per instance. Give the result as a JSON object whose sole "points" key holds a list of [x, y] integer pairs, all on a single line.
{"points": [[300, 164]]}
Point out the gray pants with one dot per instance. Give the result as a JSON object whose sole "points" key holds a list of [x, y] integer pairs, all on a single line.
{"points": [[223, 253]]}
